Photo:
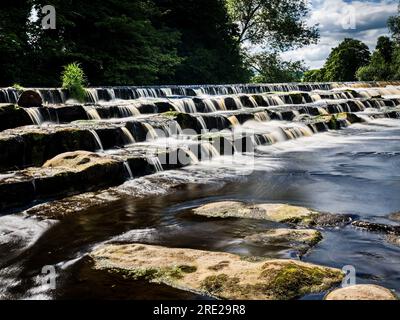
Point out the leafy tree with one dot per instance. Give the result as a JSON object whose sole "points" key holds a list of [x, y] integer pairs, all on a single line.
{"points": [[379, 68], [395, 66], [115, 41], [316, 75], [14, 47], [270, 68], [394, 27], [209, 51], [385, 48], [345, 60], [277, 23]]}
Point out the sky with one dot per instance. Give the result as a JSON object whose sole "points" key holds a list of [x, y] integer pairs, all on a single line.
{"points": [[338, 19]]}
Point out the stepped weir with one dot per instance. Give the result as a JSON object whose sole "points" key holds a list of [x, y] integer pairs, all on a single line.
{"points": [[65, 147]]}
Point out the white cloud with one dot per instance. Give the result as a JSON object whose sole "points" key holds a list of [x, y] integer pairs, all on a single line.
{"points": [[335, 17]]}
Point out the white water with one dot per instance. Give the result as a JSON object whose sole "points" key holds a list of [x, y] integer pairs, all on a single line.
{"points": [[156, 163], [128, 137], [97, 140], [92, 113], [35, 115], [128, 169]]}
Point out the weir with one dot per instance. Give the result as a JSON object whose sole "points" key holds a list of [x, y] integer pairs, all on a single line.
{"points": [[153, 129]]}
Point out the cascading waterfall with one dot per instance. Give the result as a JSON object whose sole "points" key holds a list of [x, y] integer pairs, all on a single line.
{"points": [[261, 116], [92, 113], [185, 105], [97, 140], [128, 169], [127, 111], [35, 115], [151, 132], [127, 136], [156, 163], [202, 123], [92, 94], [208, 151]]}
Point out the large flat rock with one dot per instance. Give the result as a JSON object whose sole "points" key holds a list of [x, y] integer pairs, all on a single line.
{"points": [[222, 275], [284, 213]]}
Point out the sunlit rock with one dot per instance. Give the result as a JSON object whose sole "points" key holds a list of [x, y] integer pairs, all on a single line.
{"points": [[300, 240], [361, 292], [272, 212], [218, 274]]}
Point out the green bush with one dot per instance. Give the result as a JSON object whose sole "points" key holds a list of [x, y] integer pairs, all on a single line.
{"points": [[74, 80], [18, 87]]}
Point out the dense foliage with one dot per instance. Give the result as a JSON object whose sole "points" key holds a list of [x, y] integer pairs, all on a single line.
{"points": [[142, 42], [271, 68], [74, 80], [342, 63], [278, 24], [385, 61]]}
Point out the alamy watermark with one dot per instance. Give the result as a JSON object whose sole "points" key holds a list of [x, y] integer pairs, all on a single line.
{"points": [[350, 276], [49, 277]]}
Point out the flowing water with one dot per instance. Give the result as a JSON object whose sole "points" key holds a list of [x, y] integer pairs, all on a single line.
{"points": [[349, 171]]}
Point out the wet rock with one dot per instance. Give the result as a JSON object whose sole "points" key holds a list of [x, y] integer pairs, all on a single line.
{"points": [[30, 98], [395, 216], [393, 239], [361, 292], [66, 174], [218, 274], [273, 212], [12, 116], [377, 227], [33, 146], [77, 160], [299, 239]]}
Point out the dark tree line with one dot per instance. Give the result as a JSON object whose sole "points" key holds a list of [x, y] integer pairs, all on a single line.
{"points": [[142, 42]]}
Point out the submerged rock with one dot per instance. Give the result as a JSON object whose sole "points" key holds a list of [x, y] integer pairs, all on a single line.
{"points": [[377, 227], [395, 216], [299, 239], [361, 292], [393, 239], [222, 275], [272, 212]]}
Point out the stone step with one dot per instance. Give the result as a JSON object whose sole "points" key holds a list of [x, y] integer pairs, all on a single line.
{"points": [[81, 171]]}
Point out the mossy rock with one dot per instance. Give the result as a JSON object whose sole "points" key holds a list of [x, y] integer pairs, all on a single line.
{"points": [[276, 212], [300, 240], [218, 274]]}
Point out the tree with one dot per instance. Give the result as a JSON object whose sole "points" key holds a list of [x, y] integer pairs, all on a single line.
{"points": [[209, 51], [394, 27], [385, 48], [274, 25], [271, 68], [14, 46], [277, 23], [316, 75], [345, 60], [116, 42], [379, 68]]}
